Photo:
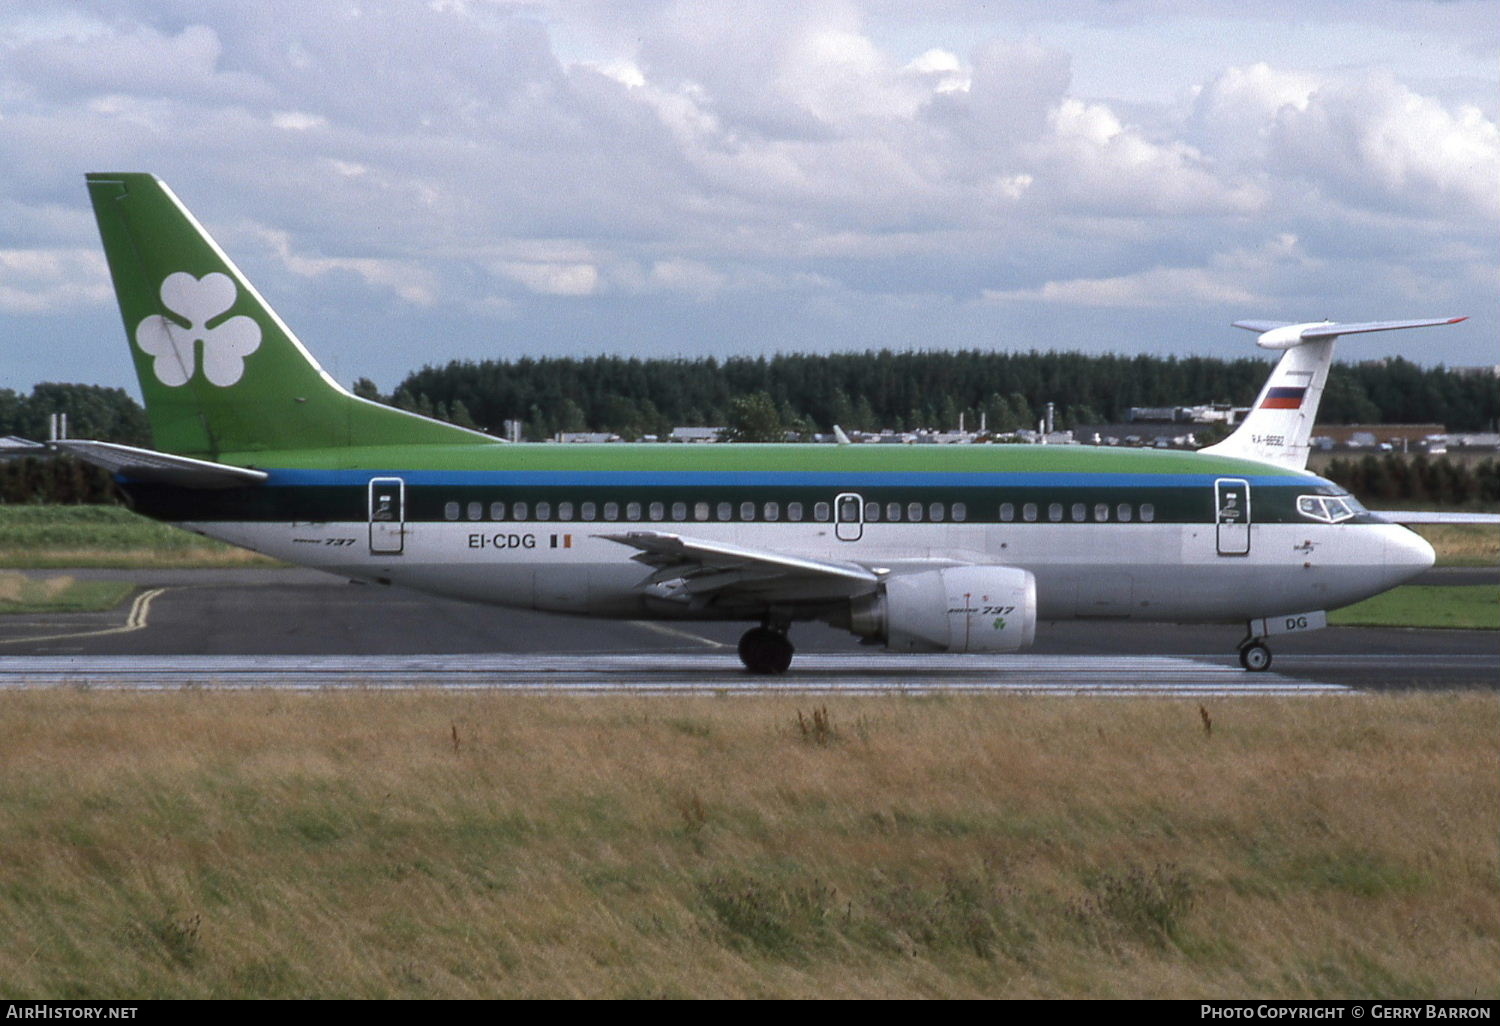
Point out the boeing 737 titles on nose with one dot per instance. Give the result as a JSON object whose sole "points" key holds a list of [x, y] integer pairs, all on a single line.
{"points": [[937, 549]]}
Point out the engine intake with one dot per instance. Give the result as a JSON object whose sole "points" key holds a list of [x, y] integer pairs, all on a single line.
{"points": [[956, 609]]}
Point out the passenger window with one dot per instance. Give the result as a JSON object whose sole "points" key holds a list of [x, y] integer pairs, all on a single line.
{"points": [[700, 511], [1101, 512], [821, 511], [475, 510], [450, 511], [872, 512], [935, 512], [1080, 512], [1007, 511], [544, 511], [794, 512], [1054, 512], [773, 511], [747, 511], [611, 511], [1122, 512], [893, 512], [679, 511], [632, 511], [1028, 512], [960, 512], [497, 511], [849, 510], [1148, 512], [565, 511], [725, 511], [914, 512], [519, 511], [588, 511], [656, 510]]}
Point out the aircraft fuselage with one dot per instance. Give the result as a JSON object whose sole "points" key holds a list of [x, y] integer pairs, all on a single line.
{"points": [[1138, 535]]}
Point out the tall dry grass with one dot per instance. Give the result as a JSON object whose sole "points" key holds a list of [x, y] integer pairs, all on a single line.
{"points": [[1463, 544], [483, 845]]}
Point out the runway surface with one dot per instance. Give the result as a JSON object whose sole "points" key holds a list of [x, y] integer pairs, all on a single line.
{"points": [[303, 629], [655, 674]]}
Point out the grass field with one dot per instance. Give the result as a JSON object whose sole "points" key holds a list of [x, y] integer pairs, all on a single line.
{"points": [[1424, 605], [20, 594], [107, 536], [477, 845], [1463, 544]]}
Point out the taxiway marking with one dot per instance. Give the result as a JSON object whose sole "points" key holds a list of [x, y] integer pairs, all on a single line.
{"points": [[137, 619]]}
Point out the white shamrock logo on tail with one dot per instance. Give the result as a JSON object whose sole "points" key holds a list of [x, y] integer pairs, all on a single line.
{"points": [[198, 301]]}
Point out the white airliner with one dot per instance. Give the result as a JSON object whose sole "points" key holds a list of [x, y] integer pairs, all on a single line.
{"points": [[921, 549]]}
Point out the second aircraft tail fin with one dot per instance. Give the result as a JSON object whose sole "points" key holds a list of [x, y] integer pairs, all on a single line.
{"points": [[1278, 428]]}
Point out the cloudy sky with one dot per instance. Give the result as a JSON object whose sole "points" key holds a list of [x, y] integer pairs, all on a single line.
{"points": [[410, 183]]}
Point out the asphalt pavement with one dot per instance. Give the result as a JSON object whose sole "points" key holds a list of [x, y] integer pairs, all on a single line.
{"points": [[298, 612]]}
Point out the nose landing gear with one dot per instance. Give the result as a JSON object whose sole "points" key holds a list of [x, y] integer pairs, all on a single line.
{"points": [[766, 650], [1254, 655]]}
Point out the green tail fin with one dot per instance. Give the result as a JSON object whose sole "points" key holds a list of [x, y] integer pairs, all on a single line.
{"points": [[219, 371]]}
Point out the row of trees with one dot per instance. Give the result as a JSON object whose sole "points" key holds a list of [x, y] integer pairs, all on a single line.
{"points": [[860, 391], [908, 391], [760, 399], [92, 410], [1421, 479]]}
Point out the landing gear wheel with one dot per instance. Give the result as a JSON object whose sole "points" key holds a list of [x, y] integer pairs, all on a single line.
{"points": [[1255, 656], [766, 651]]}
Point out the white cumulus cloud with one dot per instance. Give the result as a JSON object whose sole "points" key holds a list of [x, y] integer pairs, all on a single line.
{"points": [[43, 280]]}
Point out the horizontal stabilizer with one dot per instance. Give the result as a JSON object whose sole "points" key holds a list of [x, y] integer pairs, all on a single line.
{"points": [[1333, 330], [159, 467], [12, 445], [1262, 326], [1286, 334]]}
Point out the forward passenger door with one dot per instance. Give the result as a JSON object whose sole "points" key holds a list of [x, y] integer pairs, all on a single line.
{"points": [[1232, 516]]}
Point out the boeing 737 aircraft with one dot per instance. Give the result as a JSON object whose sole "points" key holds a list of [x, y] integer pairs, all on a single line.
{"points": [[921, 549]]}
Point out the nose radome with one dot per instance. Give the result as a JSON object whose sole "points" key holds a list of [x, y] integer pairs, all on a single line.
{"points": [[1407, 554]]}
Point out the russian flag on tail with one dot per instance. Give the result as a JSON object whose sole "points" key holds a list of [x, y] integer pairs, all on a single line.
{"points": [[1283, 398]]}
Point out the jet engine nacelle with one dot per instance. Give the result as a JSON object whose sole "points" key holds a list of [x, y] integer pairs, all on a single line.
{"points": [[957, 609]]}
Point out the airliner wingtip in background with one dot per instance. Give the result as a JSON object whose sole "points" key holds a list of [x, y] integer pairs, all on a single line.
{"points": [[956, 549]]}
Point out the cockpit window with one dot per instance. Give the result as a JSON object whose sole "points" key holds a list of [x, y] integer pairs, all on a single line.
{"points": [[1330, 509]]}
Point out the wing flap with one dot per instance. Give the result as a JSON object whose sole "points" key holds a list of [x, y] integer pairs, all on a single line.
{"points": [[698, 571]]}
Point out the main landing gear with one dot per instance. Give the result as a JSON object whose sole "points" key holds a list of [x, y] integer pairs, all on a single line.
{"points": [[1254, 655], [766, 650]]}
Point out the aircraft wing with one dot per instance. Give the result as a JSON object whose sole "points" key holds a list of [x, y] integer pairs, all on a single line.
{"points": [[150, 465], [699, 572], [1423, 516]]}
